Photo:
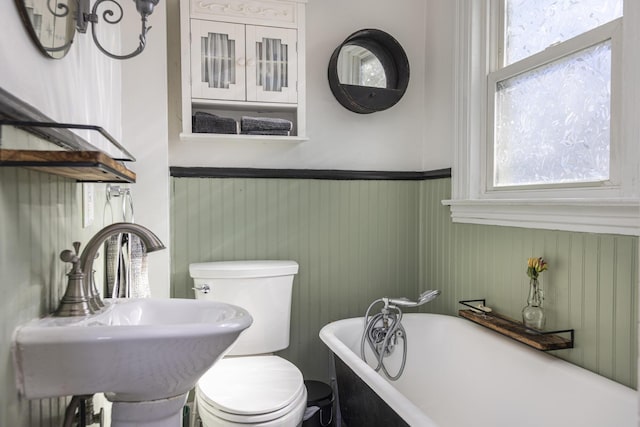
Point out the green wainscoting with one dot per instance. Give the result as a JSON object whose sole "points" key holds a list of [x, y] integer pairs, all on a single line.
{"points": [[359, 240], [40, 215], [591, 284], [355, 241]]}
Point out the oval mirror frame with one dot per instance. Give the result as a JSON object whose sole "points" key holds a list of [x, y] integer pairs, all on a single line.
{"points": [[369, 99], [51, 25]]}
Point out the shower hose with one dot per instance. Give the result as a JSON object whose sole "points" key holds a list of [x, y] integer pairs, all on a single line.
{"points": [[381, 331]]}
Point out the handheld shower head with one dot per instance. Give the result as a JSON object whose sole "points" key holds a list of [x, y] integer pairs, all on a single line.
{"points": [[424, 298], [427, 296], [402, 302]]}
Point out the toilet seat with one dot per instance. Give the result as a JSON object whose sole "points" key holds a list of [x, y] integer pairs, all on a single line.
{"points": [[289, 416], [251, 389]]}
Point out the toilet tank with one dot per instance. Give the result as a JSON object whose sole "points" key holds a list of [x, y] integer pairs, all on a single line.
{"points": [[263, 288]]}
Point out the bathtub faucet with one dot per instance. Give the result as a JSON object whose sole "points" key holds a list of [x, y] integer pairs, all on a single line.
{"points": [[386, 344], [383, 331]]}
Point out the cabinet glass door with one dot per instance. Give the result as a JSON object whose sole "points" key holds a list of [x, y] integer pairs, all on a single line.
{"points": [[217, 60], [271, 64]]}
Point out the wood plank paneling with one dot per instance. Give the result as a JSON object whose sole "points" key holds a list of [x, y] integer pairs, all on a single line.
{"points": [[590, 285], [355, 241], [40, 215], [358, 240]]}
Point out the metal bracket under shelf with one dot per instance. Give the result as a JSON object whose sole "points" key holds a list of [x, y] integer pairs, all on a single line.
{"points": [[540, 340], [69, 140]]}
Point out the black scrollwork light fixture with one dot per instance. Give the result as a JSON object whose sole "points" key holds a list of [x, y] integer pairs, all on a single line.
{"points": [[84, 14]]}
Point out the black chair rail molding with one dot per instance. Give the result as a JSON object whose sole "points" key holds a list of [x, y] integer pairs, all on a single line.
{"points": [[52, 24]]}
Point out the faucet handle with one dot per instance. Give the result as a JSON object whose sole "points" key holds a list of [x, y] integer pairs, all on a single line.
{"points": [[68, 256], [75, 301]]}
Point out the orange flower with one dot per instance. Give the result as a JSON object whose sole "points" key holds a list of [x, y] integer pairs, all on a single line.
{"points": [[536, 266]]}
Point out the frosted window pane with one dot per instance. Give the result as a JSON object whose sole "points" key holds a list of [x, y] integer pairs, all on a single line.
{"points": [[552, 124], [533, 25]]}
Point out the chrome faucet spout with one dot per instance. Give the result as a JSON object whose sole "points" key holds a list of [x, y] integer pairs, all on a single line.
{"points": [[151, 242], [81, 297]]}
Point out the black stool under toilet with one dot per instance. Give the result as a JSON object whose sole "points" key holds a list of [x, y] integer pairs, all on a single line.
{"points": [[320, 395]]}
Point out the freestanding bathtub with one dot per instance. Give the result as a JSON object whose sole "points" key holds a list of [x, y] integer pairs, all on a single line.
{"points": [[459, 374]]}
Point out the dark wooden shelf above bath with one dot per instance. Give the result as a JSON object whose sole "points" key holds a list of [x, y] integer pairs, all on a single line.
{"points": [[540, 340], [83, 166]]}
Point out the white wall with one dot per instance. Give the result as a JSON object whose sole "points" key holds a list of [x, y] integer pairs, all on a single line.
{"points": [[144, 130], [83, 87], [339, 139], [437, 149]]}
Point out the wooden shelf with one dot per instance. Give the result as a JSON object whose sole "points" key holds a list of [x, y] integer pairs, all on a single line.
{"points": [[539, 340], [220, 137], [75, 158], [83, 166]]}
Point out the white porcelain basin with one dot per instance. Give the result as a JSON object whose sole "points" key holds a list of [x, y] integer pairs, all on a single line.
{"points": [[137, 349]]}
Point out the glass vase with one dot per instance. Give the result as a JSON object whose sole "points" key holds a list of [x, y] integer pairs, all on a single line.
{"points": [[533, 313]]}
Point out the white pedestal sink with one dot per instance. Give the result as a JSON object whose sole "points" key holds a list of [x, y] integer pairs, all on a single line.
{"points": [[144, 354]]}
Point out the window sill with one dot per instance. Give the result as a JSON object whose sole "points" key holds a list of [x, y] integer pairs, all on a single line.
{"points": [[621, 216]]}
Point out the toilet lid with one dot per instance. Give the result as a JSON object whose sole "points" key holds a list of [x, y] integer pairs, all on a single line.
{"points": [[251, 385]]}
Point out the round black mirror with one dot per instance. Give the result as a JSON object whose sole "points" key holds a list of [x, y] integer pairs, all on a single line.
{"points": [[369, 72]]}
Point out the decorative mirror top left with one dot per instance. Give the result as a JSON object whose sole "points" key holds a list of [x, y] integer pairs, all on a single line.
{"points": [[50, 24]]}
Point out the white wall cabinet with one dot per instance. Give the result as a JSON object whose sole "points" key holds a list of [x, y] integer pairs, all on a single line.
{"points": [[243, 58], [243, 62]]}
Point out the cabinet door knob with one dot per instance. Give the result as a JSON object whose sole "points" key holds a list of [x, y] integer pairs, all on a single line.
{"points": [[241, 62], [251, 62]]}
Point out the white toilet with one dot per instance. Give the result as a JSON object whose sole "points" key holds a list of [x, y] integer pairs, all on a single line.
{"points": [[250, 386]]}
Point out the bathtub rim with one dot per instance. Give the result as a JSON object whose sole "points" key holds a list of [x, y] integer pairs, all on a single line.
{"points": [[405, 409]]}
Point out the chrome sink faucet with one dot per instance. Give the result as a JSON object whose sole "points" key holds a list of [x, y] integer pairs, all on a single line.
{"points": [[82, 297]]}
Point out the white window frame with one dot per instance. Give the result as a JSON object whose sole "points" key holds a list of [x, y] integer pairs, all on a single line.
{"points": [[608, 207]]}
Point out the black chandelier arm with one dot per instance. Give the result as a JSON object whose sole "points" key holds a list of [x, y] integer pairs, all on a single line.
{"points": [[107, 16], [63, 7]]}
